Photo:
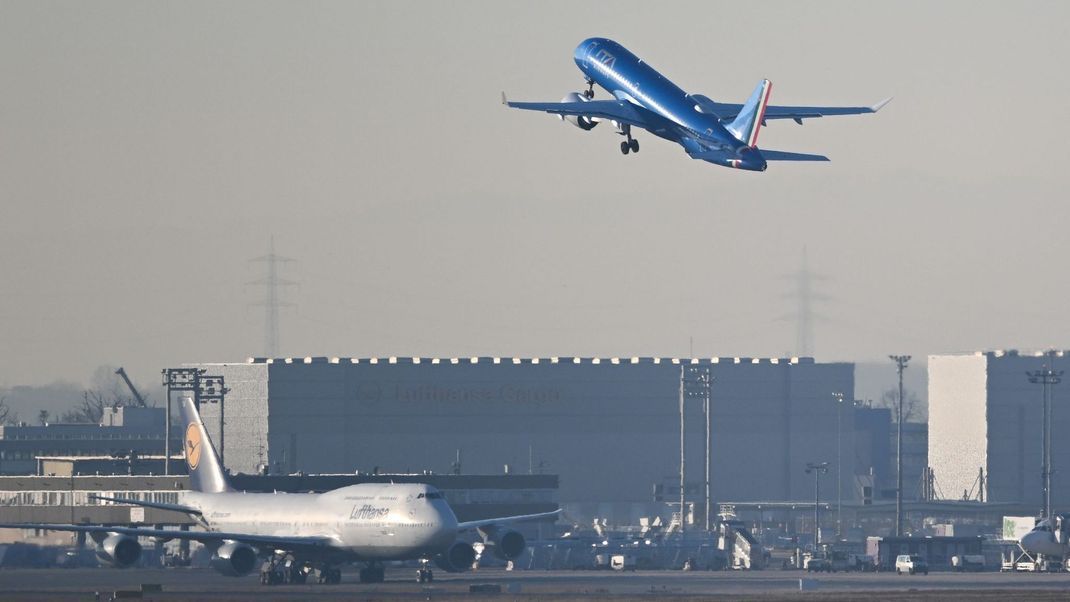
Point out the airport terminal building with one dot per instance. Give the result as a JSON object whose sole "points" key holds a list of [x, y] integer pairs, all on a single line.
{"points": [[610, 428], [984, 414]]}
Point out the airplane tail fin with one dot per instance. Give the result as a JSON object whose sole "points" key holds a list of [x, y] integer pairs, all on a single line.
{"points": [[749, 121], [205, 471]]}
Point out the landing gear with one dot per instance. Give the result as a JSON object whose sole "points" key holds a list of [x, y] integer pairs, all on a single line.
{"points": [[372, 574], [629, 145], [424, 575], [329, 575], [283, 569], [589, 92]]}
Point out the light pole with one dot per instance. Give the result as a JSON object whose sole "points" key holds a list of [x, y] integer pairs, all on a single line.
{"points": [[900, 365], [1046, 377], [839, 464], [683, 456], [817, 470]]}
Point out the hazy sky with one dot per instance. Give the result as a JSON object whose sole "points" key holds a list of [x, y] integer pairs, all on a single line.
{"points": [[148, 150]]}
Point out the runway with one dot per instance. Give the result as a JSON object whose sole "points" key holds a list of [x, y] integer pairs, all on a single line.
{"points": [[204, 584]]}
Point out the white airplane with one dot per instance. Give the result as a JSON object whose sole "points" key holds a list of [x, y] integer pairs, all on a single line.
{"points": [[368, 523], [1049, 537]]}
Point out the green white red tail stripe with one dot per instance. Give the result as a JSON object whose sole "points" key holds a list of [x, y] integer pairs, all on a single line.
{"points": [[752, 135]]}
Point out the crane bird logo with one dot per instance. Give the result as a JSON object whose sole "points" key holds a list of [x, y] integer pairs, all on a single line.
{"points": [[193, 446]]}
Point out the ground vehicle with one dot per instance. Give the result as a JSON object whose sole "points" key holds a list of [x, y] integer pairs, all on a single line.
{"points": [[838, 561], [968, 562], [862, 563], [622, 562], [911, 563], [817, 564]]}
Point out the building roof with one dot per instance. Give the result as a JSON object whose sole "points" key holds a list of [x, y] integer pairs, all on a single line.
{"points": [[526, 360]]}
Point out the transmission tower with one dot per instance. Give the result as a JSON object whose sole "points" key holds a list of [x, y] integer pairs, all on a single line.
{"points": [[804, 315], [272, 303]]}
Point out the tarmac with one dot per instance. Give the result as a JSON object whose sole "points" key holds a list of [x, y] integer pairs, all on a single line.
{"points": [[773, 585]]}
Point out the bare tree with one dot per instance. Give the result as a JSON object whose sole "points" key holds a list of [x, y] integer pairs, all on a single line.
{"points": [[42, 417], [91, 409], [890, 399], [6, 415]]}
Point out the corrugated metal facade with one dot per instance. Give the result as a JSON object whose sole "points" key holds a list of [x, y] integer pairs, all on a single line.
{"points": [[609, 428], [984, 412]]}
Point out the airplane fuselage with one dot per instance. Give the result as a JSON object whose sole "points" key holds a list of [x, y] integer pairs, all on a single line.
{"points": [[369, 521], [628, 78], [721, 133]]}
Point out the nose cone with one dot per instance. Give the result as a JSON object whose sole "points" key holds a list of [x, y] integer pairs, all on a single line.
{"points": [[1041, 542], [586, 48]]}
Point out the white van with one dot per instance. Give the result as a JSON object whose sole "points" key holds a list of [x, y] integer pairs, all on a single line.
{"points": [[910, 564]]}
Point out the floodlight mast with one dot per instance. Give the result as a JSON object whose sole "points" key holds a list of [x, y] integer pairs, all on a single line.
{"points": [[1047, 378], [817, 470], [900, 364]]}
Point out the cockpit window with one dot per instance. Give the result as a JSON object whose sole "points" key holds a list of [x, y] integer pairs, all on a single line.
{"points": [[430, 496]]}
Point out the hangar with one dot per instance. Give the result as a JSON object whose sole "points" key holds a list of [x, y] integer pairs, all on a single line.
{"points": [[609, 427]]}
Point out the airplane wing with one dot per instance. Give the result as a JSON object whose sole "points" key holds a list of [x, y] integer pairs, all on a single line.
{"points": [[160, 505], [728, 111], [614, 110], [488, 522], [286, 542]]}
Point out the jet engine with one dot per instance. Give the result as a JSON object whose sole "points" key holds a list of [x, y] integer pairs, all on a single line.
{"points": [[505, 544], [584, 123], [234, 559], [457, 559], [119, 551]]}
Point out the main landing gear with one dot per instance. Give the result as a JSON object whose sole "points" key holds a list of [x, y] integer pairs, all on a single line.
{"points": [[285, 569], [374, 573], [330, 575], [629, 145], [424, 575]]}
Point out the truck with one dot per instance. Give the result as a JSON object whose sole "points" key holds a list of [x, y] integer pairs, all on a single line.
{"points": [[817, 564], [968, 562]]}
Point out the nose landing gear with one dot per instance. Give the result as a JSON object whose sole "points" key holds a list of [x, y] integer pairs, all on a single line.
{"points": [[589, 92]]}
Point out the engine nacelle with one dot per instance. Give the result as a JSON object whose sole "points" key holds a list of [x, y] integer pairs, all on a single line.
{"points": [[234, 559], [505, 544], [119, 551], [584, 123], [457, 559]]}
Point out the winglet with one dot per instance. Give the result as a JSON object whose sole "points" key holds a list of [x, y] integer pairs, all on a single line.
{"points": [[505, 101], [880, 105]]}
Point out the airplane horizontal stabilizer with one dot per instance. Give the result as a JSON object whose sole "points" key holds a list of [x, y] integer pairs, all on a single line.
{"points": [[773, 155]]}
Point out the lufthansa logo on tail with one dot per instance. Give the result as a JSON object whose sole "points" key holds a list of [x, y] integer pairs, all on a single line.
{"points": [[193, 446]]}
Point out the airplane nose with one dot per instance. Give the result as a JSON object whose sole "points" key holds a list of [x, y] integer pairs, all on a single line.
{"points": [[1039, 542]]}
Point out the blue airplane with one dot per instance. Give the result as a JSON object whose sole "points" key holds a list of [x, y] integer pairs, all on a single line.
{"points": [[720, 133]]}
